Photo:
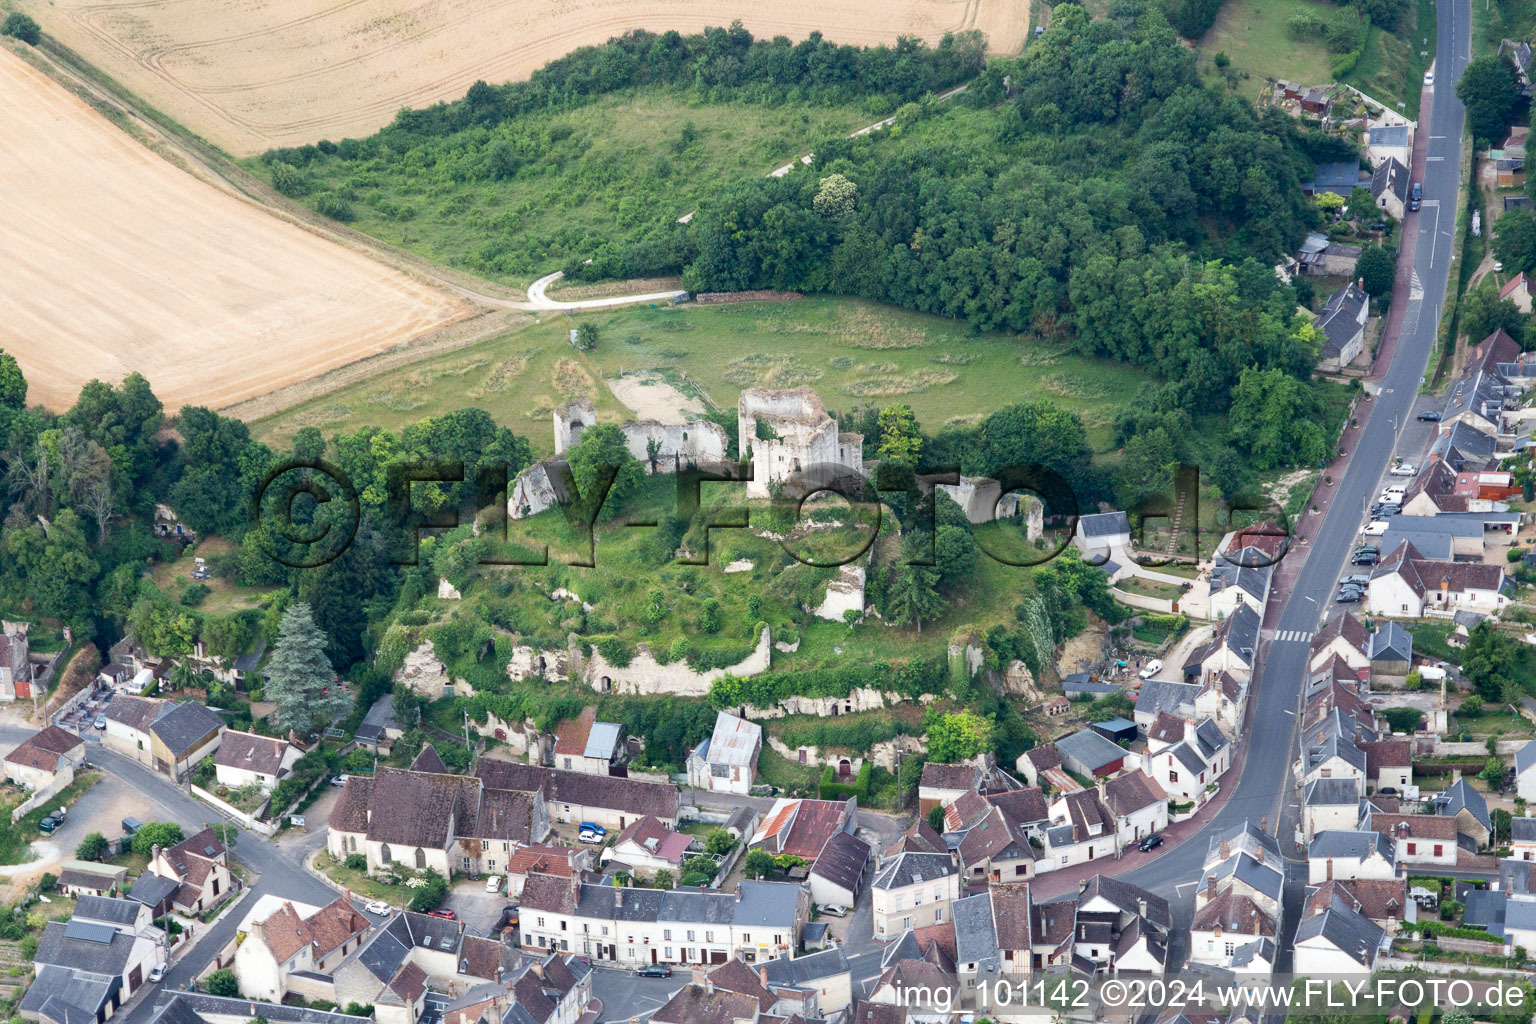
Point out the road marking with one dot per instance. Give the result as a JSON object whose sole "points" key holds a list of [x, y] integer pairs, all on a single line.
{"points": [[1293, 635], [1433, 159]]}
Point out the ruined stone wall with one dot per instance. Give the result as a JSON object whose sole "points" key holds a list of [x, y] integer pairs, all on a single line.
{"points": [[644, 675]]}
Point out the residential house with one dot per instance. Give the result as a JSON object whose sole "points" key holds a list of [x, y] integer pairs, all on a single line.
{"points": [[1349, 855], [87, 878], [168, 737], [415, 820], [826, 974], [247, 759], [543, 860], [1102, 533], [631, 927], [85, 970], [1470, 810], [1522, 842], [943, 784], [1520, 921], [1162, 697], [46, 758], [284, 939], [380, 727], [1329, 804], [174, 1006], [1383, 901], [1342, 323], [1339, 940], [1082, 829], [1238, 905], [1390, 180], [391, 969], [1406, 585], [583, 744], [1339, 178], [547, 990], [1482, 393], [1230, 650], [15, 663], [1391, 654], [647, 846], [200, 866], [1138, 804], [1036, 761], [575, 797], [913, 890], [1342, 636], [1081, 686], [1421, 840], [997, 847], [1519, 53], [1525, 772], [1518, 290], [155, 892], [727, 761], [1388, 763], [837, 873], [1188, 769]]}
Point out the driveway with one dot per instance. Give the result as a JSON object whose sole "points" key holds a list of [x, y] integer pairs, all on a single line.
{"points": [[478, 909]]}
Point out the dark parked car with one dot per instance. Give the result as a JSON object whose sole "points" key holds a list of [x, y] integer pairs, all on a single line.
{"points": [[1350, 596], [50, 823], [1150, 843], [1429, 416], [655, 971], [1365, 558], [1415, 197]]}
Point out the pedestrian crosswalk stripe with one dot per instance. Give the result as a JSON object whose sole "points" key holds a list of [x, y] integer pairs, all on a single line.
{"points": [[1297, 635]]}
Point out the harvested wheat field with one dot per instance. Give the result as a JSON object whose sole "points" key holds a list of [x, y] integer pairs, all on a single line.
{"points": [[253, 74], [117, 261]]}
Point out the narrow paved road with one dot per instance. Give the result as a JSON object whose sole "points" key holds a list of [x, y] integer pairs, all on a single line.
{"points": [[1266, 789], [278, 868]]}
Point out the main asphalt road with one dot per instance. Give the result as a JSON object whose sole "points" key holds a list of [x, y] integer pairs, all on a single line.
{"points": [[1266, 783]]}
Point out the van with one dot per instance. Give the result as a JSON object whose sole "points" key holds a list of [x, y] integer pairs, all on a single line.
{"points": [[131, 825]]}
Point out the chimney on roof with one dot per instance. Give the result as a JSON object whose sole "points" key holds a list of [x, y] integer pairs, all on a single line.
{"points": [[1226, 849], [618, 896], [1082, 886], [1330, 869], [1141, 906], [537, 967], [762, 976], [698, 976], [738, 893]]}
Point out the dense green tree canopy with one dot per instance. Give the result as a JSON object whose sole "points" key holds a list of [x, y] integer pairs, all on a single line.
{"points": [[1490, 88]]}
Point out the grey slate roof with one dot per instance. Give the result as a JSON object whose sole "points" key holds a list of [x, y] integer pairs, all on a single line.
{"points": [[1162, 695], [105, 908], [1523, 830], [152, 890], [911, 868], [1210, 738], [218, 1006], [94, 948], [1525, 756], [1104, 524], [1344, 845], [802, 970], [1260, 877], [379, 718], [1244, 837], [1242, 632], [1520, 915], [1358, 937], [1331, 793], [975, 932], [69, 996], [1391, 643], [184, 724], [1262, 949], [1089, 749], [1484, 908], [248, 661], [1188, 757], [1462, 796]]}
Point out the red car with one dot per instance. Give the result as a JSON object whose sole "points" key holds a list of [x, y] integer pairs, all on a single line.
{"points": [[446, 915]]}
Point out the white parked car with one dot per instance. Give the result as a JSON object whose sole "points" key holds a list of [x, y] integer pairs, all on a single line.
{"points": [[1404, 469], [378, 907], [340, 780], [1429, 78], [833, 910], [1153, 668], [1375, 529], [589, 837], [493, 884]]}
